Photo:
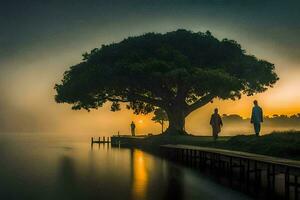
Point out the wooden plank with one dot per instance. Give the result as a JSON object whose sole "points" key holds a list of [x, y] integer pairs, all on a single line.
{"points": [[239, 154]]}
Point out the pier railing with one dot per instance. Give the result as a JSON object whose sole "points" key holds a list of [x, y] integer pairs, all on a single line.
{"points": [[247, 165], [99, 141]]}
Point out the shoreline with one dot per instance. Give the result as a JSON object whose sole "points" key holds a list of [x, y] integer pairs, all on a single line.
{"points": [[277, 144]]}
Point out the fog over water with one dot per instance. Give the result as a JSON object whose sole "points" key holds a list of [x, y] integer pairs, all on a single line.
{"points": [[50, 167], [45, 147]]}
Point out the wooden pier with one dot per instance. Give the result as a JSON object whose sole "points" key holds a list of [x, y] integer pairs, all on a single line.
{"points": [[249, 167], [99, 141], [127, 140]]}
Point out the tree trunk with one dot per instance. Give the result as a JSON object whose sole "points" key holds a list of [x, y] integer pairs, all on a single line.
{"points": [[176, 122]]}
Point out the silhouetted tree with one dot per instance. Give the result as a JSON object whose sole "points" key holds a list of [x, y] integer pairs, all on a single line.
{"points": [[160, 116], [178, 71], [275, 120], [232, 117], [295, 116]]}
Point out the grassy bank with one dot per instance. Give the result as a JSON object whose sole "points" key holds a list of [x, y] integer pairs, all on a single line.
{"points": [[278, 144]]}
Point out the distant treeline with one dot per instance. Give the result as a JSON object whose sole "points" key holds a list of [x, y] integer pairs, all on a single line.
{"points": [[274, 120]]}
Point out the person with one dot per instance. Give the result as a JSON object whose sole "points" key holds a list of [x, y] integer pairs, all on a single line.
{"points": [[216, 124], [132, 126], [256, 117]]}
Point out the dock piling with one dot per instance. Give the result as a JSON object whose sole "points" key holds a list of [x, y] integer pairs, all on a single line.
{"points": [[99, 141], [250, 168]]}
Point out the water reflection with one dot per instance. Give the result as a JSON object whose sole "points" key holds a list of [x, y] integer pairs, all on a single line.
{"points": [[175, 180], [67, 178], [140, 174], [44, 169], [146, 176]]}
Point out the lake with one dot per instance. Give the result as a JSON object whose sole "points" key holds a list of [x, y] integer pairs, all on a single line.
{"points": [[45, 166]]}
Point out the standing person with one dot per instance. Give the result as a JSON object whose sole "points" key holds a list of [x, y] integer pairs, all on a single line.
{"points": [[132, 126], [216, 124], [256, 117]]}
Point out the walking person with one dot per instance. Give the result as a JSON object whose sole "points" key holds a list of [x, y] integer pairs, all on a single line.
{"points": [[216, 124], [256, 117], [132, 126]]}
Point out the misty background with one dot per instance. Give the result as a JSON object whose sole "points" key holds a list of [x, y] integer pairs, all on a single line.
{"points": [[39, 40]]}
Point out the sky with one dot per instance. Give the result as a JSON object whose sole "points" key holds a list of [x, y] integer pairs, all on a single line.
{"points": [[39, 40]]}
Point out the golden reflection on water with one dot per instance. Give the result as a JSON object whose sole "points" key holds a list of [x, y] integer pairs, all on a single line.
{"points": [[140, 175]]}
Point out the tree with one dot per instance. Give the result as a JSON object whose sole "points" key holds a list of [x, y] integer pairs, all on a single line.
{"points": [[160, 116], [178, 71], [232, 117]]}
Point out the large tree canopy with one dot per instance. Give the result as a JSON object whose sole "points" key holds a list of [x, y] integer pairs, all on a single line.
{"points": [[178, 71]]}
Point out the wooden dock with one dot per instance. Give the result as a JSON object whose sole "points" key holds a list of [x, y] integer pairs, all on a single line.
{"points": [[248, 165], [127, 140], [99, 141]]}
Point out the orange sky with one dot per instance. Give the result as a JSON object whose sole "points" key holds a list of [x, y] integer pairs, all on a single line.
{"points": [[33, 92], [28, 75]]}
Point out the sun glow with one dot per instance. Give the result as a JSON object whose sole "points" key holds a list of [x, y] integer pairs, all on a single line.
{"points": [[140, 175]]}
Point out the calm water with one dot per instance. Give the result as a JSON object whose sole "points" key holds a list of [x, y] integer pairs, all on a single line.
{"points": [[36, 166]]}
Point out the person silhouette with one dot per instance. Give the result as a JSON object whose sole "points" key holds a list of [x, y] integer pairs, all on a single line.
{"points": [[132, 126], [256, 117], [216, 124]]}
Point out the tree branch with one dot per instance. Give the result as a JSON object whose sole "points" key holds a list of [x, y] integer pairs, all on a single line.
{"points": [[201, 102], [130, 96], [118, 100], [142, 98]]}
